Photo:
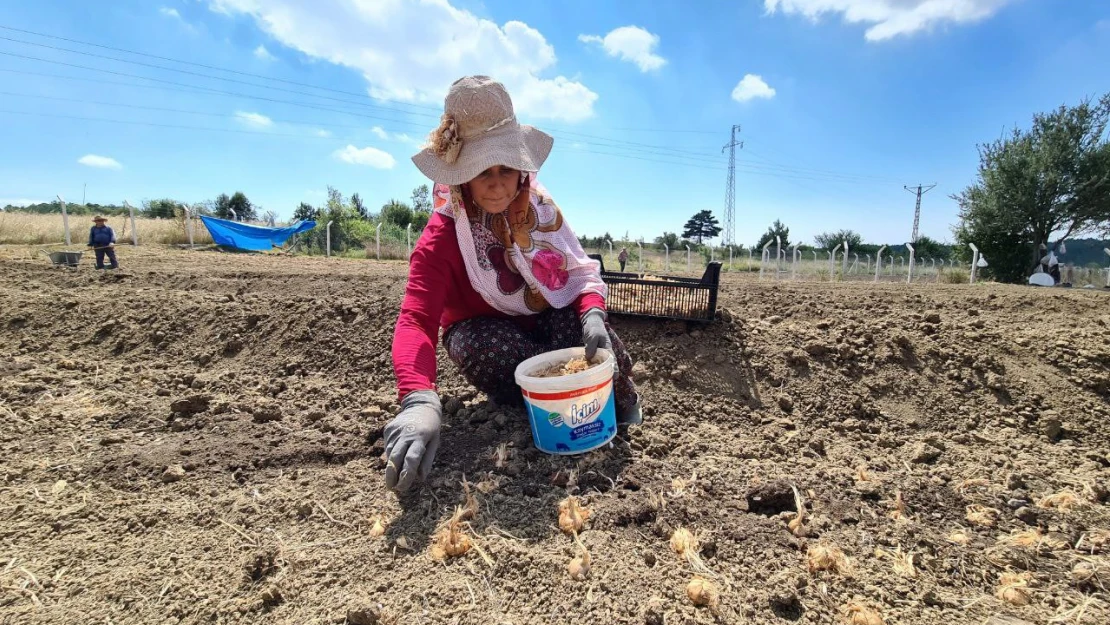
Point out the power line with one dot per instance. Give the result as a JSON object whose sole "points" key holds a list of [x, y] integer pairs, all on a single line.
{"points": [[205, 89], [610, 143], [190, 63], [157, 125], [210, 76], [289, 82]]}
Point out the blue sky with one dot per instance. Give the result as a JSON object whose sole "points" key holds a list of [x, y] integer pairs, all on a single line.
{"points": [[841, 102]]}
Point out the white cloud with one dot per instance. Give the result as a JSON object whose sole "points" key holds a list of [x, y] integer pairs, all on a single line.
{"points": [[371, 157], [320, 132], [168, 12], [255, 120], [102, 162], [262, 54], [385, 135], [630, 43], [375, 38], [750, 87], [891, 18]]}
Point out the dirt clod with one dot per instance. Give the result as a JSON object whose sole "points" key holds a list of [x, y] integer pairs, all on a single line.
{"points": [[191, 405], [173, 473]]}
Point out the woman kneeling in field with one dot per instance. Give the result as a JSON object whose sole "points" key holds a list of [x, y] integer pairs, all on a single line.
{"points": [[497, 267]]}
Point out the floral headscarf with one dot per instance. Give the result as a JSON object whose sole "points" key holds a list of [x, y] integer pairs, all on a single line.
{"points": [[523, 260]]}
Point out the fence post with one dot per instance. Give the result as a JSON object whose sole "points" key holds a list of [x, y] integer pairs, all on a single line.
{"points": [[640, 261], [891, 266], [189, 224], [687, 259], [750, 250], [778, 255], [832, 262], [610, 247], [855, 262], [868, 270], [65, 219], [794, 262], [730, 258], [234, 216], [328, 232], [844, 263], [909, 276], [878, 262], [814, 255], [763, 259], [378, 241], [1107, 250], [408, 240], [134, 232], [974, 262], [666, 257]]}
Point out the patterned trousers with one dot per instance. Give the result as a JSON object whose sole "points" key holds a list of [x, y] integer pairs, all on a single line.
{"points": [[487, 350]]}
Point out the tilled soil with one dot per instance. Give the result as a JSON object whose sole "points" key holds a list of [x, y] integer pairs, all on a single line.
{"points": [[197, 439]]}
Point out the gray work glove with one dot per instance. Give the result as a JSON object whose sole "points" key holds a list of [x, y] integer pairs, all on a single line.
{"points": [[411, 439], [594, 334]]}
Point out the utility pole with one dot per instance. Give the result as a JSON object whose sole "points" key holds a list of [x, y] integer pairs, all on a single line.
{"points": [[919, 190], [729, 237]]}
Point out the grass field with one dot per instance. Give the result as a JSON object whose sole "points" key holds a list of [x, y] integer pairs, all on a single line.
{"points": [[30, 229]]}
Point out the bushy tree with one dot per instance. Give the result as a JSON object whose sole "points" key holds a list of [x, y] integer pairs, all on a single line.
{"points": [[930, 248], [420, 199], [829, 240], [703, 225], [359, 207], [669, 239], [306, 212], [397, 213], [776, 229], [1046, 183], [164, 208]]}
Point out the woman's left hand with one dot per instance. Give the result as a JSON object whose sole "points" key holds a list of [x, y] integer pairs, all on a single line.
{"points": [[594, 332]]}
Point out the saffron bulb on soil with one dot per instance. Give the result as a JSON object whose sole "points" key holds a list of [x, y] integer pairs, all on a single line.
{"points": [[703, 592], [572, 515]]}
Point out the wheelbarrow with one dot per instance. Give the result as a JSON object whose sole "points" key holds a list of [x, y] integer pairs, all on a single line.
{"points": [[64, 258]]}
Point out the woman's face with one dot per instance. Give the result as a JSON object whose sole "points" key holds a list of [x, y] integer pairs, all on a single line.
{"points": [[495, 188]]}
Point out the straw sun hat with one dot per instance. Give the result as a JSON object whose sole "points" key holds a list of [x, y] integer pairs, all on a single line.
{"points": [[477, 131]]}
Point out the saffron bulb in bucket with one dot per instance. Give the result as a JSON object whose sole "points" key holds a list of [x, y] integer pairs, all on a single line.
{"points": [[571, 413]]}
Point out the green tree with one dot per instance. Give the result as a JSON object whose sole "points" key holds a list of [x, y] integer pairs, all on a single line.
{"points": [[420, 200], [243, 208], [703, 225], [1050, 181], [306, 212], [221, 206], [829, 240], [776, 229], [164, 208], [669, 239], [397, 213], [931, 248], [359, 207]]}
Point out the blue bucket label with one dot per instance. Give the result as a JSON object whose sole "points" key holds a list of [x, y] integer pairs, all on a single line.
{"points": [[573, 425]]}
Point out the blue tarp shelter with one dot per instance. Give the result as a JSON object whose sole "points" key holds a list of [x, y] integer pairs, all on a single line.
{"points": [[249, 237]]}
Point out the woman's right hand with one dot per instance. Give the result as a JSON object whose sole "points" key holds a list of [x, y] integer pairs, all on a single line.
{"points": [[411, 440]]}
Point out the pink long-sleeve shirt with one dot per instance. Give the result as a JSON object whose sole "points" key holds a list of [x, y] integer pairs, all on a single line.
{"points": [[438, 295]]}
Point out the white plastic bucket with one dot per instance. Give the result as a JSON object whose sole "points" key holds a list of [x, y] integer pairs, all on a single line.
{"points": [[570, 414]]}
